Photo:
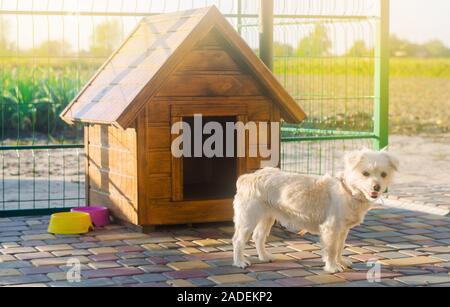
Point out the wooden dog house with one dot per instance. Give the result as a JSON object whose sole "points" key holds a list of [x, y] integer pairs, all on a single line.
{"points": [[171, 67]]}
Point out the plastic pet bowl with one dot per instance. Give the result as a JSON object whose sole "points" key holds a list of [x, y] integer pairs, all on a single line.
{"points": [[99, 215], [69, 223]]}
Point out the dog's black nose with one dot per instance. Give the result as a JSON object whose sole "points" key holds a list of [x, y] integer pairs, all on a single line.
{"points": [[377, 188]]}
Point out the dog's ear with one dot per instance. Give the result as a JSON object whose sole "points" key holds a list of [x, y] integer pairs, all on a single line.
{"points": [[393, 161], [353, 158]]}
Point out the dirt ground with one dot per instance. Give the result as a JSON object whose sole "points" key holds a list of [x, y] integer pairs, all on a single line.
{"points": [[424, 160], [425, 169]]}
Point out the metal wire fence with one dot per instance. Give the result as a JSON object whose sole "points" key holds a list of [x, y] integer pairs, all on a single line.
{"points": [[326, 54]]}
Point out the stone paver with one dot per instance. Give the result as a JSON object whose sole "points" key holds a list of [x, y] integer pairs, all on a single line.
{"points": [[57, 276], [9, 272], [304, 247], [102, 250], [145, 278], [5, 258], [207, 242], [95, 282], [23, 279], [111, 272], [43, 236], [295, 282], [410, 261], [412, 248], [295, 273], [54, 247], [231, 279], [57, 261], [17, 250], [37, 255], [188, 265], [181, 283], [422, 280], [325, 279]]}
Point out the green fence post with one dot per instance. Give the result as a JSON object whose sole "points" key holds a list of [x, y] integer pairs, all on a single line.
{"points": [[266, 32], [381, 108]]}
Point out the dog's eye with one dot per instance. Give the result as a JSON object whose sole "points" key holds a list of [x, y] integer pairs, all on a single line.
{"points": [[367, 174], [383, 175]]}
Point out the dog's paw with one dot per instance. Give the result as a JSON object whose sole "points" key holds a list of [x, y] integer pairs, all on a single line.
{"points": [[334, 268], [266, 257], [302, 233], [345, 263], [243, 263]]}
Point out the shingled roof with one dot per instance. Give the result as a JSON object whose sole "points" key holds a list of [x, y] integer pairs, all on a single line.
{"points": [[138, 68]]}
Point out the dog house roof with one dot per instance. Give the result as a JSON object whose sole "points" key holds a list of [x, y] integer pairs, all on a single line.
{"points": [[138, 68]]}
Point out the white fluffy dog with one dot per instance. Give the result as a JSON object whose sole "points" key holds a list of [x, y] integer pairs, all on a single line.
{"points": [[325, 205]]}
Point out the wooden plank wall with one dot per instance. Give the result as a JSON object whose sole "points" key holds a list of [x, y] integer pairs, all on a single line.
{"points": [[154, 158], [210, 70], [112, 170]]}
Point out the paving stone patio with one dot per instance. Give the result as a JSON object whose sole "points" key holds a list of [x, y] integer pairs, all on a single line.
{"points": [[412, 248]]}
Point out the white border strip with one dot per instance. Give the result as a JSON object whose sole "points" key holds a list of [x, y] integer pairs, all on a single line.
{"points": [[408, 205]]}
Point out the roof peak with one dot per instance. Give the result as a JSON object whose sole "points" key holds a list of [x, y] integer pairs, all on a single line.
{"points": [[150, 54], [182, 14]]}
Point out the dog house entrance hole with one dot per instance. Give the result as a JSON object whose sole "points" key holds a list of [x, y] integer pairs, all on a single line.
{"points": [[210, 178]]}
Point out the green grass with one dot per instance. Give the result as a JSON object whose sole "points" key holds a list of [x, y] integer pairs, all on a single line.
{"points": [[32, 97], [408, 67], [351, 66], [32, 94]]}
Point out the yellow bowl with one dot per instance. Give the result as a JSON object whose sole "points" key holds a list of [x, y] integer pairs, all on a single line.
{"points": [[69, 223]]}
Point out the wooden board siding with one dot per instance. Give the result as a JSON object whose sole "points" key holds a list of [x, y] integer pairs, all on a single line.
{"points": [[190, 212], [195, 84], [208, 60], [154, 158], [112, 170], [210, 70]]}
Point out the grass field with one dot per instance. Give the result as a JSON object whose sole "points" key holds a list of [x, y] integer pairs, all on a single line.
{"points": [[336, 93], [362, 66]]}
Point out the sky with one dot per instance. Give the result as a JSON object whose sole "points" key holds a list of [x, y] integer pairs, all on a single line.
{"points": [[416, 20], [421, 20]]}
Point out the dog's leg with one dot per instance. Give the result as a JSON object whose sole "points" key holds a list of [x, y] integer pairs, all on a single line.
{"points": [[330, 245], [260, 235], [240, 238], [341, 260], [245, 220]]}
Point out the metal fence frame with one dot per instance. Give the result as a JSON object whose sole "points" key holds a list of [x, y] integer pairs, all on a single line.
{"points": [[379, 135]]}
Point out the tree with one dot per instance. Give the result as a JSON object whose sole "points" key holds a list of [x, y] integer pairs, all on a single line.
{"points": [[317, 44], [106, 38], [359, 49], [402, 47], [52, 48], [5, 44], [282, 49], [436, 49]]}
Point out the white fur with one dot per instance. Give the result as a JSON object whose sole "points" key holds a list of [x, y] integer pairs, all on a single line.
{"points": [[326, 205]]}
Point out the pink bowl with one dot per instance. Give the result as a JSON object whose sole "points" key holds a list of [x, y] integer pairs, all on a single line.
{"points": [[99, 215]]}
